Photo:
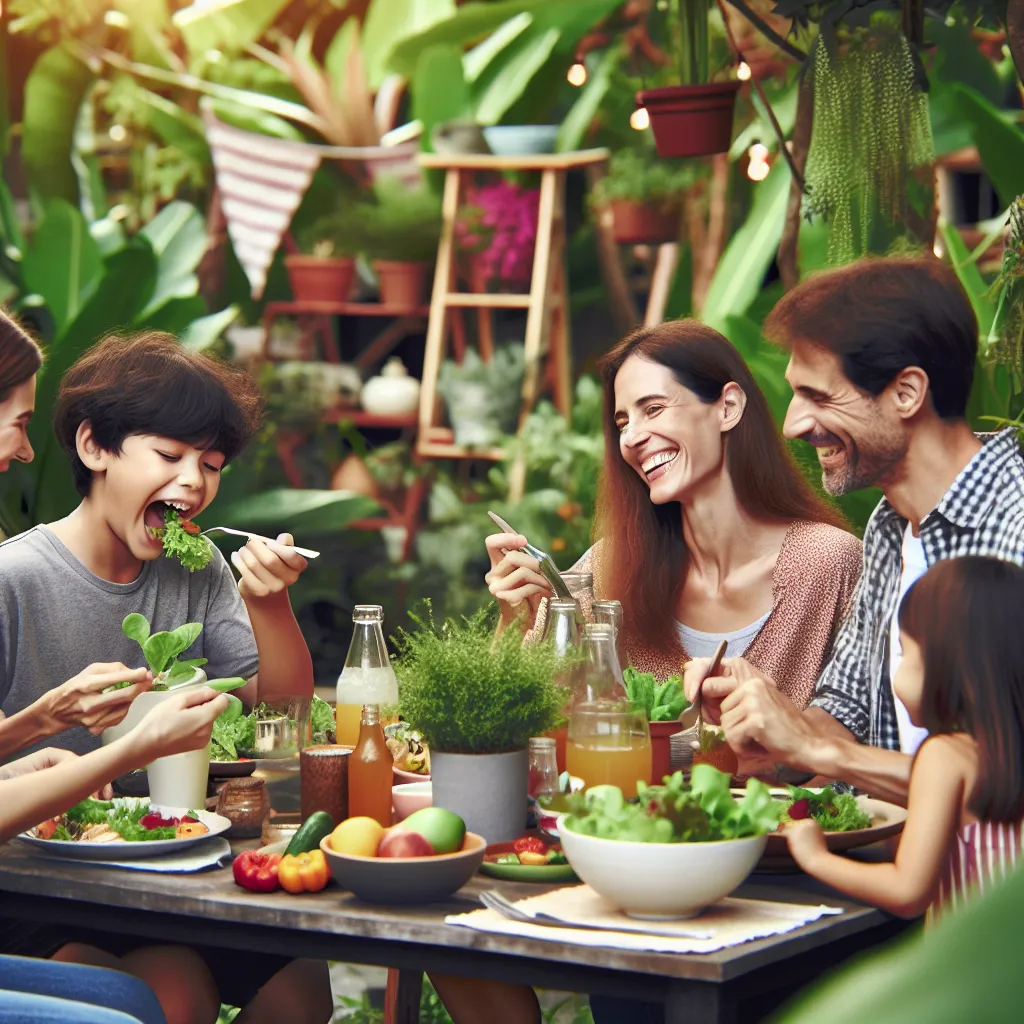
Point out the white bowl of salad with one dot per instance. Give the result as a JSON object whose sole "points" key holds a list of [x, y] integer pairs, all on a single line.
{"points": [[682, 847]]}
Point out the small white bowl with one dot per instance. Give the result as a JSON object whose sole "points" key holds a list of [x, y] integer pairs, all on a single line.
{"points": [[411, 797], [661, 881]]}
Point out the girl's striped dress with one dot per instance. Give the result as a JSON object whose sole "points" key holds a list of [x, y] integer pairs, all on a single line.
{"points": [[983, 853]]}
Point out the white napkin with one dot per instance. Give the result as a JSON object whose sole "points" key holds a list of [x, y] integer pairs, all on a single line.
{"points": [[212, 853], [729, 922]]}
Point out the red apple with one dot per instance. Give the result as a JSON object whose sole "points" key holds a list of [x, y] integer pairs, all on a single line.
{"points": [[400, 843]]}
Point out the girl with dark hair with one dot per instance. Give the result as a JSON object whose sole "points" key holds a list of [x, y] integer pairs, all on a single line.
{"points": [[962, 679], [707, 530]]}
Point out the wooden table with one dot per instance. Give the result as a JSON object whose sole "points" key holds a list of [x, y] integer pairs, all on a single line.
{"points": [[209, 908]]}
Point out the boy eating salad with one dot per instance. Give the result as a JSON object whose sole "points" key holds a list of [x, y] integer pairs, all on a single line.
{"points": [[149, 426]]}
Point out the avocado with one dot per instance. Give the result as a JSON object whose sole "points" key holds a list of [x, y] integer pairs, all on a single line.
{"points": [[444, 830]]}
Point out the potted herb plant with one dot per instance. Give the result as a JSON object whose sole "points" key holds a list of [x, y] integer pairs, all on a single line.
{"points": [[325, 268], [642, 197], [693, 118], [401, 227], [482, 398], [477, 699]]}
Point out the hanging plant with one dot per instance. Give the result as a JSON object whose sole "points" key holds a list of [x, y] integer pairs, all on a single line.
{"points": [[1007, 337], [871, 134]]}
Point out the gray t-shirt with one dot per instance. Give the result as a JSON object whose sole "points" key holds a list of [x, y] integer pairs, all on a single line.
{"points": [[56, 618]]}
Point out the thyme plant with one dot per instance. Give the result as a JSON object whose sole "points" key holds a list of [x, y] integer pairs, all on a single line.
{"points": [[471, 692]]}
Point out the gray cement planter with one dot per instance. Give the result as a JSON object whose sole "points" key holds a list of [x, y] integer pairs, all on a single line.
{"points": [[488, 791]]}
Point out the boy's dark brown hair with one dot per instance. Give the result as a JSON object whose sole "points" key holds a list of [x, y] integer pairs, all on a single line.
{"points": [[20, 356], [964, 614], [149, 383], [880, 315]]}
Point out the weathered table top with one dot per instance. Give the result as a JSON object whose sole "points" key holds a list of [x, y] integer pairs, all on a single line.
{"points": [[336, 925]]}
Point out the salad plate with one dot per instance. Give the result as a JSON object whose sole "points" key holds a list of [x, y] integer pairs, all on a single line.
{"points": [[216, 824], [551, 873]]}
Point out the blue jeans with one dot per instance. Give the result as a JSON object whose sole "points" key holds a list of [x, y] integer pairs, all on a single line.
{"points": [[97, 995]]}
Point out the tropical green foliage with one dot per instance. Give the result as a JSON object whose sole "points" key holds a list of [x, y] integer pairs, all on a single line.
{"points": [[638, 176]]}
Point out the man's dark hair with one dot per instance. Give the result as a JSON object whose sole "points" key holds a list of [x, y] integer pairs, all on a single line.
{"points": [[149, 383], [883, 314]]}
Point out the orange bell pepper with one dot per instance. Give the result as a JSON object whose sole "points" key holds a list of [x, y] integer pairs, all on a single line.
{"points": [[303, 872]]}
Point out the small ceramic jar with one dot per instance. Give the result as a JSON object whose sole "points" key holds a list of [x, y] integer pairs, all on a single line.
{"points": [[246, 804], [393, 393]]}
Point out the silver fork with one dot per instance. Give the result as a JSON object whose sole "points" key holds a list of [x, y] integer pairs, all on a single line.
{"points": [[493, 900], [305, 552]]}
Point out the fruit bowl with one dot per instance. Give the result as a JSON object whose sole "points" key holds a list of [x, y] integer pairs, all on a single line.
{"points": [[661, 881], [406, 879]]}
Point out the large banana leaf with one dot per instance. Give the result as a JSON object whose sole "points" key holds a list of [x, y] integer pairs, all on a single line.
{"points": [[54, 91], [62, 262], [228, 25], [967, 968], [978, 290], [388, 22], [439, 89], [203, 332], [1000, 142], [740, 272], [178, 237], [287, 510]]}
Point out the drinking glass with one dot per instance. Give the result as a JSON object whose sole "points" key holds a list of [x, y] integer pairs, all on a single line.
{"points": [[282, 730], [609, 744]]}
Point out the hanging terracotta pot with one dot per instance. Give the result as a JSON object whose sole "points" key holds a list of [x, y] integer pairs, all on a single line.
{"points": [[402, 285], [319, 279], [642, 223], [691, 120]]}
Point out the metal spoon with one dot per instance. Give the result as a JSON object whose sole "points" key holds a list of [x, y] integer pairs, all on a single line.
{"points": [[692, 715], [547, 563], [305, 552]]}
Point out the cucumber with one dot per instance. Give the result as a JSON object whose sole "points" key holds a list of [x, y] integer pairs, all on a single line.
{"points": [[311, 831]]}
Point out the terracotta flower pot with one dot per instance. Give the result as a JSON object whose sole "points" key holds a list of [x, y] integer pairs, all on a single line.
{"points": [[661, 749], [644, 223], [315, 279], [691, 120], [402, 285], [723, 758]]}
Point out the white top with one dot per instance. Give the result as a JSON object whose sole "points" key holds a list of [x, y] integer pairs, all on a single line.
{"points": [[703, 645], [914, 567]]}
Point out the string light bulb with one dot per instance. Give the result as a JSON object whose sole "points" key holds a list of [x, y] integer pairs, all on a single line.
{"points": [[118, 133], [743, 72], [757, 165], [639, 119], [577, 75]]}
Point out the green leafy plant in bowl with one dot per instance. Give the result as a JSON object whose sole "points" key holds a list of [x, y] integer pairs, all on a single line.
{"points": [[477, 698], [483, 398]]}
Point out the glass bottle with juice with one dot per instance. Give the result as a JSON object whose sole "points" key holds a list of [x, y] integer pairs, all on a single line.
{"points": [[367, 677], [369, 771]]}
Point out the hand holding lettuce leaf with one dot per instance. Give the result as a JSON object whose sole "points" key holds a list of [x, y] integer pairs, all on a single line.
{"points": [[702, 811]]}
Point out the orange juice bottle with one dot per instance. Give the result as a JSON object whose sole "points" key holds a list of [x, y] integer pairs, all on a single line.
{"points": [[369, 771]]}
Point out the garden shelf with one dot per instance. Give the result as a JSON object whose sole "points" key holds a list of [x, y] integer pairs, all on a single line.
{"points": [[546, 343]]}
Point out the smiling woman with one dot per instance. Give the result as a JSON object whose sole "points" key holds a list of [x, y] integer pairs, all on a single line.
{"points": [[20, 359], [705, 528]]}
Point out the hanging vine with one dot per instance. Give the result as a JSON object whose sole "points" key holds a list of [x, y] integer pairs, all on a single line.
{"points": [[871, 134], [1007, 336]]}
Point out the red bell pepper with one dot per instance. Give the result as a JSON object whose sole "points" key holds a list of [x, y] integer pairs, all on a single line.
{"points": [[256, 871]]}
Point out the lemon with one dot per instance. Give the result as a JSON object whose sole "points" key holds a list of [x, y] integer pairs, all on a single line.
{"points": [[358, 837]]}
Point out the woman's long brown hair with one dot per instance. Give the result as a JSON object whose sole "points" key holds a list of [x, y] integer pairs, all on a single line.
{"points": [[644, 556], [964, 614], [20, 356]]}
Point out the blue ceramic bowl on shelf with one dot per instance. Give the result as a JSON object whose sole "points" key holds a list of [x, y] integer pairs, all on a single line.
{"points": [[521, 139]]}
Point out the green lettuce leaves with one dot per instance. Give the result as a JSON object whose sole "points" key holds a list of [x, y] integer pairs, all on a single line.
{"points": [[702, 811], [191, 549]]}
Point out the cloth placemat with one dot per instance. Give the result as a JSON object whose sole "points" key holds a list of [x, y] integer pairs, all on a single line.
{"points": [[729, 922], [213, 853]]}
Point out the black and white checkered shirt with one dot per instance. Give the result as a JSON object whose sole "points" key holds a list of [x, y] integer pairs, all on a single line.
{"points": [[981, 514]]}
